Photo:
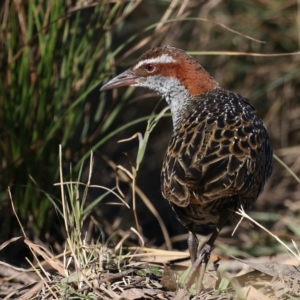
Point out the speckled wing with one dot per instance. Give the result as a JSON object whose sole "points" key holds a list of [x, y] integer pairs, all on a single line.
{"points": [[219, 149]]}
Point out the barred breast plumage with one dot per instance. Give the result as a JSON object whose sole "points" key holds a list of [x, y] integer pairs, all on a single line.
{"points": [[219, 156]]}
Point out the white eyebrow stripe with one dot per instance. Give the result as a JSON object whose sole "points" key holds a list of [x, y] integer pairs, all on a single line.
{"points": [[165, 58]]}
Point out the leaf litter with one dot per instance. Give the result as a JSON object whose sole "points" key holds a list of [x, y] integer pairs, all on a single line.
{"points": [[104, 276], [95, 271]]}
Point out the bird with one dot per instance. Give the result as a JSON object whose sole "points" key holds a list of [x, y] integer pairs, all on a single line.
{"points": [[219, 156]]}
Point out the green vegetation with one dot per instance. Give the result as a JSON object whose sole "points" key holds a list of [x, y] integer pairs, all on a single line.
{"points": [[54, 56]]}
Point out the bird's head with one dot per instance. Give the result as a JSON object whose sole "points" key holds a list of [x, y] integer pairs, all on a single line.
{"points": [[160, 66], [170, 72]]}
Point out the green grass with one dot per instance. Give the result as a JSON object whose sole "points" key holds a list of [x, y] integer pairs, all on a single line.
{"points": [[54, 57]]}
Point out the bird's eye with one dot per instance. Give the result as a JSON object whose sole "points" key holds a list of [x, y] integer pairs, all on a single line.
{"points": [[149, 68]]}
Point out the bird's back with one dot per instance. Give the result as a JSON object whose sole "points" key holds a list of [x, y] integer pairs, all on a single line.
{"points": [[219, 155]]}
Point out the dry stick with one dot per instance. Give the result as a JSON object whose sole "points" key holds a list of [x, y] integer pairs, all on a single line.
{"points": [[109, 292], [148, 252], [42, 278], [158, 30], [183, 18], [139, 236], [109, 278], [227, 53], [133, 188], [153, 210], [169, 28], [13, 207], [234, 53], [141, 239], [121, 241], [215, 23], [135, 282], [34, 290], [167, 14], [133, 176], [4, 16], [182, 8], [117, 276], [133, 179], [142, 43]]}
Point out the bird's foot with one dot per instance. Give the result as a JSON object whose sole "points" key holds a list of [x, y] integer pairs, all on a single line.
{"points": [[197, 271]]}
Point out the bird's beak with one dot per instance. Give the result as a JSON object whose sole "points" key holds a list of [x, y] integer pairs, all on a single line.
{"points": [[124, 79]]}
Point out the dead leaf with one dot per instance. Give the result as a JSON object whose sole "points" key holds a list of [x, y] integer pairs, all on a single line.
{"points": [[252, 293], [287, 272], [11, 241], [47, 256], [136, 294], [34, 290], [182, 295]]}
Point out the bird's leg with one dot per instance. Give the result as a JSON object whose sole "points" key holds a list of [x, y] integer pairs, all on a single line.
{"points": [[193, 243], [197, 271], [203, 254]]}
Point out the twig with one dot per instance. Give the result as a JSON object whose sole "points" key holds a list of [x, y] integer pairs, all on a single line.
{"points": [[110, 278]]}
